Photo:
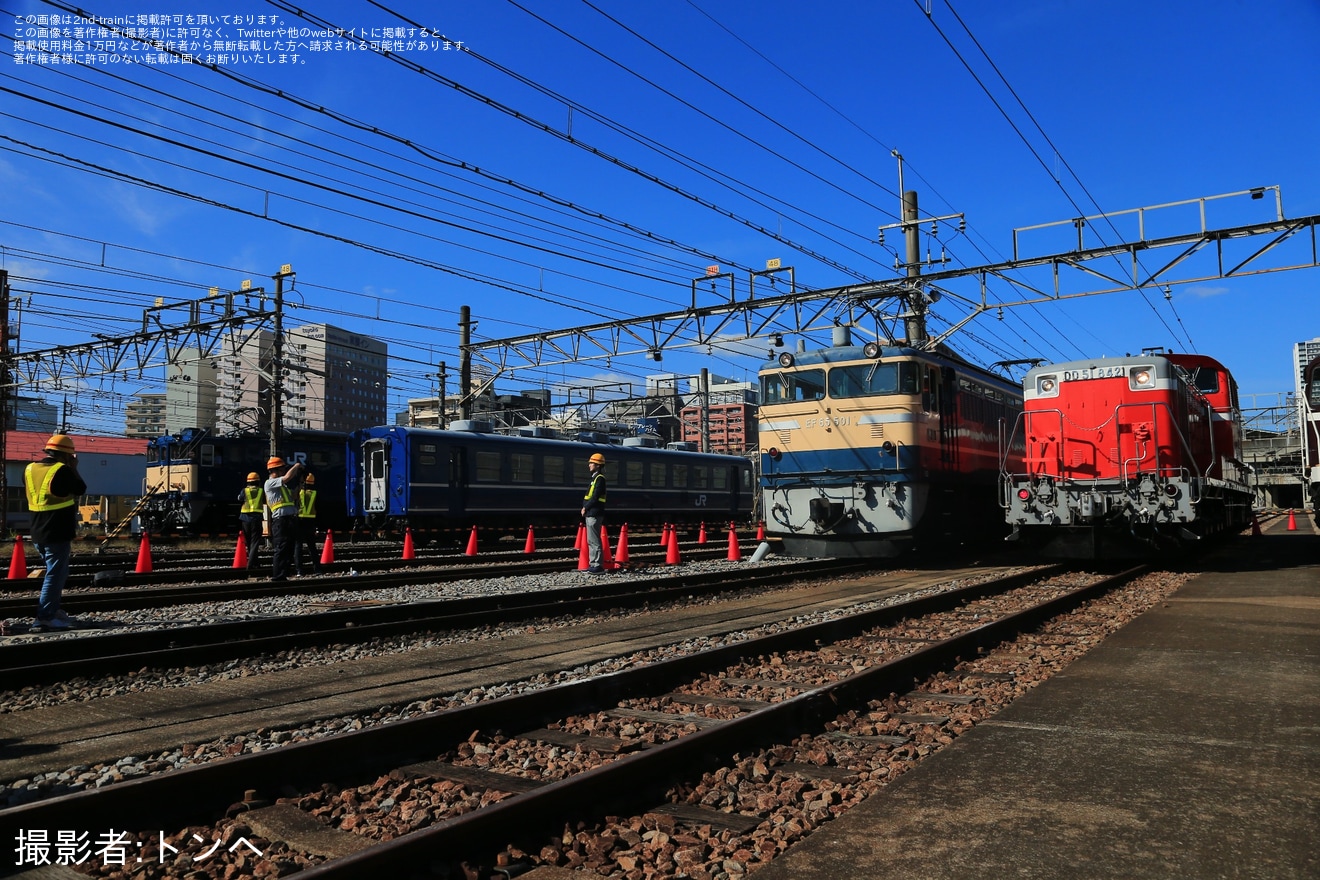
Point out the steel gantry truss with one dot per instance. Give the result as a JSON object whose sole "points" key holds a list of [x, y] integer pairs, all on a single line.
{"points": [[1201, 255]]}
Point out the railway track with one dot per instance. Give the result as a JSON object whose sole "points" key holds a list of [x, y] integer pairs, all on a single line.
{"points": [[535, 778], [41, 660]]}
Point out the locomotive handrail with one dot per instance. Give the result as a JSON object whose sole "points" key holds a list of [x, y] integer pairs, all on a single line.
{"points": [[1182, 440]]}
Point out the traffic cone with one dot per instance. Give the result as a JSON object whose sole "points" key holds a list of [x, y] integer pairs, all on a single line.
{"points": [[664, 535], [621, 555], [1255, 526], [144, 555], [328, 550], [1292, 521], [409, 552], [735, 552], [530, 547], [472, 543], [671, 552], [701, 535], [18, 564], [581, 537], [760, 531], [606, 557], [584, 556], [240, 552]]}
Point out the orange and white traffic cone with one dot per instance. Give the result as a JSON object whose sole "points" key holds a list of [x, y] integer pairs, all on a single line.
{"points": [[472, 543], [328, 550], [1292, 521], [18, 562], [621, 555], [144, 555], [530, 547], [409, 551], [240, 552], [735, 551], [671, 552]]}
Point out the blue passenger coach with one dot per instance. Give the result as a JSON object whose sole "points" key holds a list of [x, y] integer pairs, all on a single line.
{"points": [[428, 479]]}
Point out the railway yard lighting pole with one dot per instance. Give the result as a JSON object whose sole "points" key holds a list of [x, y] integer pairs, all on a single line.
{"points": [[277, 361]]}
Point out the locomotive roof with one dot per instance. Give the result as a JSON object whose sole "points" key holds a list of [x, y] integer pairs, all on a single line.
{"points": [[842, 354], [1163, 362]]}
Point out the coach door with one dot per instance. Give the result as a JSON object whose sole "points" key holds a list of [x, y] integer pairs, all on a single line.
{"points": [[375, 479], [948, 409]]}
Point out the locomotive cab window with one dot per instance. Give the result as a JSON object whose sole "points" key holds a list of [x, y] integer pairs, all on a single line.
{"points": [[870, 380], [207, 456], [791, 387]]}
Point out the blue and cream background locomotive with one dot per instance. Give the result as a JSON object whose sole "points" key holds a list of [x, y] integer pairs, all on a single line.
{"points": [[870, 450]]}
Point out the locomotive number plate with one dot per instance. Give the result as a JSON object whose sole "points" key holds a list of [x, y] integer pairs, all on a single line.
{"points": [[1092, 373]]}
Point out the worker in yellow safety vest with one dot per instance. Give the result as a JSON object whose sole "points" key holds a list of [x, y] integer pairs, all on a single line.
{"points": [[53, 486], [250, 515], [306, 540]]}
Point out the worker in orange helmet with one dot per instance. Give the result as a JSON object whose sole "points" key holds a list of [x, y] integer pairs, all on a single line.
{"points": [[251, 516], [281, 490], [593, 512], [53, 486]]}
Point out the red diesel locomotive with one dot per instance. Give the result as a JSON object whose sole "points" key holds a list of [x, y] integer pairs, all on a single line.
{"points": [[1127, 456]]}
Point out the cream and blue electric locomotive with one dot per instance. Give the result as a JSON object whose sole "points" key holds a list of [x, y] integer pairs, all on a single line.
{"points": [[871, 450]]}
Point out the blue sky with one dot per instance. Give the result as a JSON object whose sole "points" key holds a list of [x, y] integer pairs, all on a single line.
{"points": [[623, 147]]}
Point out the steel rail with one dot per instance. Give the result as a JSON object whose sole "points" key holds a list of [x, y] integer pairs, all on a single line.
{"points": [[201, 794]]}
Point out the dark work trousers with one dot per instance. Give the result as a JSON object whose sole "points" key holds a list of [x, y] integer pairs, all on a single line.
{"points": [[305, 560], [283, 533], [251, 523]]}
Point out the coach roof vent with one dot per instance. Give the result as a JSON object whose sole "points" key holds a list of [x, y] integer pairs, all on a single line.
{"points": [[537, 431], [473, 426], [593, 437], [647, 442], [682, 446]]}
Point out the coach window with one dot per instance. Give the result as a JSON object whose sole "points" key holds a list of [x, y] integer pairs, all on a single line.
{"points": [[488, 467], [719, 478], [552, 468], [657, 475], [520, 467], [633, 473], [581, 476], [207, 456], [680, 476], [700, 478]]}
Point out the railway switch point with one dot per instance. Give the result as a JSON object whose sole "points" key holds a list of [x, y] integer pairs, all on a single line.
{"points": [[701, 536], [472, 543], [621, 554], [1292, 520], [409, 551], [530, 547], [240, 552], [144, 555], [607, 558], [328, 549], [735, 552], [18, 562]]}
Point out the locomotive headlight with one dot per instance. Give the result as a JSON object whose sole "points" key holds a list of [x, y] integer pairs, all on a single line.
{"points": [[1141, 377], [785, 359], [774, 453], [1047, 386]]}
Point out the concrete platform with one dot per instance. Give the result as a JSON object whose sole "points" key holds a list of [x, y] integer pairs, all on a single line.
{"points": [[1186, 745]]}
